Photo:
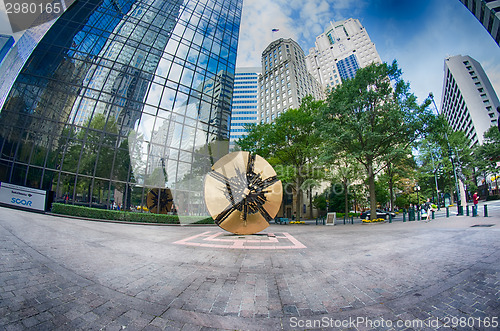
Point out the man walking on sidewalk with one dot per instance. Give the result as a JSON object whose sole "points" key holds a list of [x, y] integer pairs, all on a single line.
{"points": [[475, 200]]}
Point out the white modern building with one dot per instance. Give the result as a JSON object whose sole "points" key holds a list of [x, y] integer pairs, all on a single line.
{"points": [[244, 103], [340, 51], [284, 80], [488, 13], [468, 101]]}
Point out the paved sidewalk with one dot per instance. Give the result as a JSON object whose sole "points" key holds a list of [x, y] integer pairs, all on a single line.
{"points": [[68, 274]]}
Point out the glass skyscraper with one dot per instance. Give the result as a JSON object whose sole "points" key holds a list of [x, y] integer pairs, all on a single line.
{"points": [[121, 96], [244, 103]]}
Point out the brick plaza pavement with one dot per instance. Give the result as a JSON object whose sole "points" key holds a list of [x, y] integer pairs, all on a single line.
{"points": [[68, 274]]}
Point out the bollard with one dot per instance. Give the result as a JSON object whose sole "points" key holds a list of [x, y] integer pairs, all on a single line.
{"points": [[447, 211], [352, 219], [433, 216], [474, 211], [390, 217], [419, 215], [460, 210], [467, 210], [485, 210], [344, 218], [404, 215]]}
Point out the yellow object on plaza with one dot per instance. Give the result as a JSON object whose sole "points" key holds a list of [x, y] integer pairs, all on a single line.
{"points": [[374, 221]]}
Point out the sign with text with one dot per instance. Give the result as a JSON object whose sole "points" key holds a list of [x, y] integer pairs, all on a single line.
{"points": [[330, 218], [20, 196]]}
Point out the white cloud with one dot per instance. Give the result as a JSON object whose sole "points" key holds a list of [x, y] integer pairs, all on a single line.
{"points": [[259, 17], [419, 43], [421, 55], [296, 19]]}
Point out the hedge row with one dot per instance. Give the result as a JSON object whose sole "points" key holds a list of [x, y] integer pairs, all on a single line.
{"points": [[115, 215], [493, 197], [341, 215]]}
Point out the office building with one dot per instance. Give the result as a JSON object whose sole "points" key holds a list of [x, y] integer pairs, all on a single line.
{"points": [[339, 52], [468, 101], [245, 102], [488, 13], [115, 92], [6, 43], [284, 80]]}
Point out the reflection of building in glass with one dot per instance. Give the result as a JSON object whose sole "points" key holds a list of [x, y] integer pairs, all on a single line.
{"points": [[340, 51], [245, 102], [6, 43], [117, 81], [119, 96], [284, 80], [469, 100]]}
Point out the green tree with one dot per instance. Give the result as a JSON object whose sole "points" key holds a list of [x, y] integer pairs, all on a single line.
{"points": [[399, 166], [292, 144], [436, 153], [371, 115], [346, 170], [382, 190], [488, 154]]}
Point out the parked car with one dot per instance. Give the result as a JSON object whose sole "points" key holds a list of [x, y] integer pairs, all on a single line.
{"points": [[380, 214]]}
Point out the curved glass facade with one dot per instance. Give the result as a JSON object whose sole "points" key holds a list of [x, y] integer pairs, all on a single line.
{"points": [[119, 97]]}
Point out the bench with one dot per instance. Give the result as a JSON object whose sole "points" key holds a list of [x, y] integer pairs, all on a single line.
{"points": [[281, 220]]}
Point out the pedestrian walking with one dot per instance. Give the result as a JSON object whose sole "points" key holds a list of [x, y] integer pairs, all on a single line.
{"points": [[428, 209], [475, 200]]}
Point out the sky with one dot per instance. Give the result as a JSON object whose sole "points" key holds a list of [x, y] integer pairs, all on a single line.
{"points": [[418, 34]]}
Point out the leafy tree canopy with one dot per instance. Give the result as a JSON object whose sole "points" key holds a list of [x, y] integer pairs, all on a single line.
{"points": [[370, 116]]}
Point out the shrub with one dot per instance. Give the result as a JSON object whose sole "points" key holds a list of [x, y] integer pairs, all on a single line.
{"points": [[207, 220], [115, 215], [493, 197], [341, 215]]}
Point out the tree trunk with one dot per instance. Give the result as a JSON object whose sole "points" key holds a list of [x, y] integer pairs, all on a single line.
{"points": [[371, 187], [310, 203], [391, 195], [488, 185], [298, 191], [346, 201], [391, 188]]}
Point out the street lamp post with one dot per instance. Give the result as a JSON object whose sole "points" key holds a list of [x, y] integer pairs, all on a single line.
{"points": [[450, 155], [417, 189], [436, 169]]}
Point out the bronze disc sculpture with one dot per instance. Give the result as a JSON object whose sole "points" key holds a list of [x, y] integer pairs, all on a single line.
{"points": [[159, 201], [242, 193]]}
